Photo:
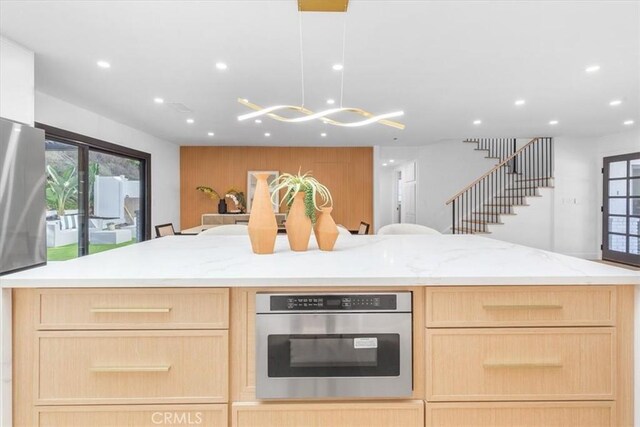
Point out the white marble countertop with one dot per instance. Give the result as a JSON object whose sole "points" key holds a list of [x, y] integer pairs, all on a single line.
{"points": [[356, 260]]}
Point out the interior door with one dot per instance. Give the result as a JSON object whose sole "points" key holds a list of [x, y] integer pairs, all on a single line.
{"points": [[621, 209], [409, 194]]}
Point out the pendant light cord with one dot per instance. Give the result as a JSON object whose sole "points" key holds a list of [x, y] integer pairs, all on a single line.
{"points": [[301, 57], [344, 38]]}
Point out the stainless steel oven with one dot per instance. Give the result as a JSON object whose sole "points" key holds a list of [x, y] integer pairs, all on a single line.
{"points": [[333, 345]]}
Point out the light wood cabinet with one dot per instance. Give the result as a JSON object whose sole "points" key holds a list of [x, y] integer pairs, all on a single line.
{"points": [[521, 414], [488, 345], [330, 414], [521, 364], [503, 306], [482, 356], [131, 367], [132, 415], [133, 309]]}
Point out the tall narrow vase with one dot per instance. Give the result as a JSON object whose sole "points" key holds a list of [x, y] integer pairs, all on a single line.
{"points": [[326, 230], [298, 225], [263, 227]]}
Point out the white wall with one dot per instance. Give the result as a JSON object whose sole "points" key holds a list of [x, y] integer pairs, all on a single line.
{"points": [[567, 218], [531, 225], [16, 82], [445, 168], [576, 200], [165, 156]]}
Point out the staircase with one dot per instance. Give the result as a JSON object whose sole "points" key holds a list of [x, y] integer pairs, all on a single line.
{"points": [[517, 177]]}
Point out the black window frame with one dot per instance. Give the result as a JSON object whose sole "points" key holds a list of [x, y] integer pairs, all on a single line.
{"points": [[607, 254], [84, 144]]}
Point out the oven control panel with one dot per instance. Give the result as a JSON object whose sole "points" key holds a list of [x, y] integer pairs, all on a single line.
{"points": [[333, 302]]}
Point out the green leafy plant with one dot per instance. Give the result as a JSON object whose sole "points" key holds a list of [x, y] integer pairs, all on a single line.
{"points": [[62, 189], [213, 194], [306, 183]]}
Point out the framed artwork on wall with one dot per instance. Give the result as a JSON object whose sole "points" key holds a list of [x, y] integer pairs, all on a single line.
{"points": [[251, 188]]}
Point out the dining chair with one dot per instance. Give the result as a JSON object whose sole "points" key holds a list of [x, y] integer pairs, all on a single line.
{"points": [[364, 228], [406, 229], [227, 230], [165, 230]]}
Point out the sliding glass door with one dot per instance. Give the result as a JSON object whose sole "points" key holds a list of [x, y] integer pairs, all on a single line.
{"points": [[621, 209], [116, 189], [97, 194], [62, 196]]}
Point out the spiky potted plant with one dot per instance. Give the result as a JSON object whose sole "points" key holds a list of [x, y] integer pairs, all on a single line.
{"points": [[301, 194], [213, 195]]}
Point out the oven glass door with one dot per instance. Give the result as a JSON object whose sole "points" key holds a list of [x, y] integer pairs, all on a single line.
{"points": [[334, 355]]}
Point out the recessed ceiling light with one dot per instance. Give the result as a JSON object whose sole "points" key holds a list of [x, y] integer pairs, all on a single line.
{"points": [[221, 66], [391, 160], [615, 102], [331, 101], [477, 122], [323, 134], [258, 121], [592, 68], [384, 164], [628, 122], [337, 67], [158, 100], [520, 102], [553, 122], [210, 133], [103, 64], [267, 134], [190, 121]]}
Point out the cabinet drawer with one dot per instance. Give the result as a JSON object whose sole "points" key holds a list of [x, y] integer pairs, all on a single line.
{"points": [[503, 306], [521, 414], [109, 367], [361, 414], [133, 309], [521, 364], [132, 415]]}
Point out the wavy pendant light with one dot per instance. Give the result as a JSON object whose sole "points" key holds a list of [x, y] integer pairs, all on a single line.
{"points": [[308, 115]]}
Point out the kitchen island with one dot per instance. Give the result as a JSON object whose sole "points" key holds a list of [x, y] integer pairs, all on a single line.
{"points": [[562, 326]]}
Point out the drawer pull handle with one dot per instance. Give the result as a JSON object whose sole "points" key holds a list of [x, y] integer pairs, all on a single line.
{"points": [[130, 310], [132, 369], [533, 364], [522, 306]]}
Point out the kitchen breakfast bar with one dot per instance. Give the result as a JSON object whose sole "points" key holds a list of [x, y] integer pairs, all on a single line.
{"points": [[411, 330]]}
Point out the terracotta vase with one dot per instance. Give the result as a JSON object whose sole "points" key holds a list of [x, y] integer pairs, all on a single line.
{"points": [[262, 221], [298, 225], [326, 230]]}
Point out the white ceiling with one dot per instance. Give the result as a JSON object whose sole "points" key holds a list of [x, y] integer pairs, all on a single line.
{"points": [[445, 63]]}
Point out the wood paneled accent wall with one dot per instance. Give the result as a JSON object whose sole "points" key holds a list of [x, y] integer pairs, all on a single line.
{"points": [[348, 172]]}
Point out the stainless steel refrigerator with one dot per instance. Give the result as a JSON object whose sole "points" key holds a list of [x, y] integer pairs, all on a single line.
{"points": [[22, 197]]}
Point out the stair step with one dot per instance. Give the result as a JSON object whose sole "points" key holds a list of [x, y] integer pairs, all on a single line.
{"points": [[534, 179], [492, 213], [470, 142], [516, 197], [505, 205], [521, 188], [475, 221], [492, 157], [465, 230]]}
